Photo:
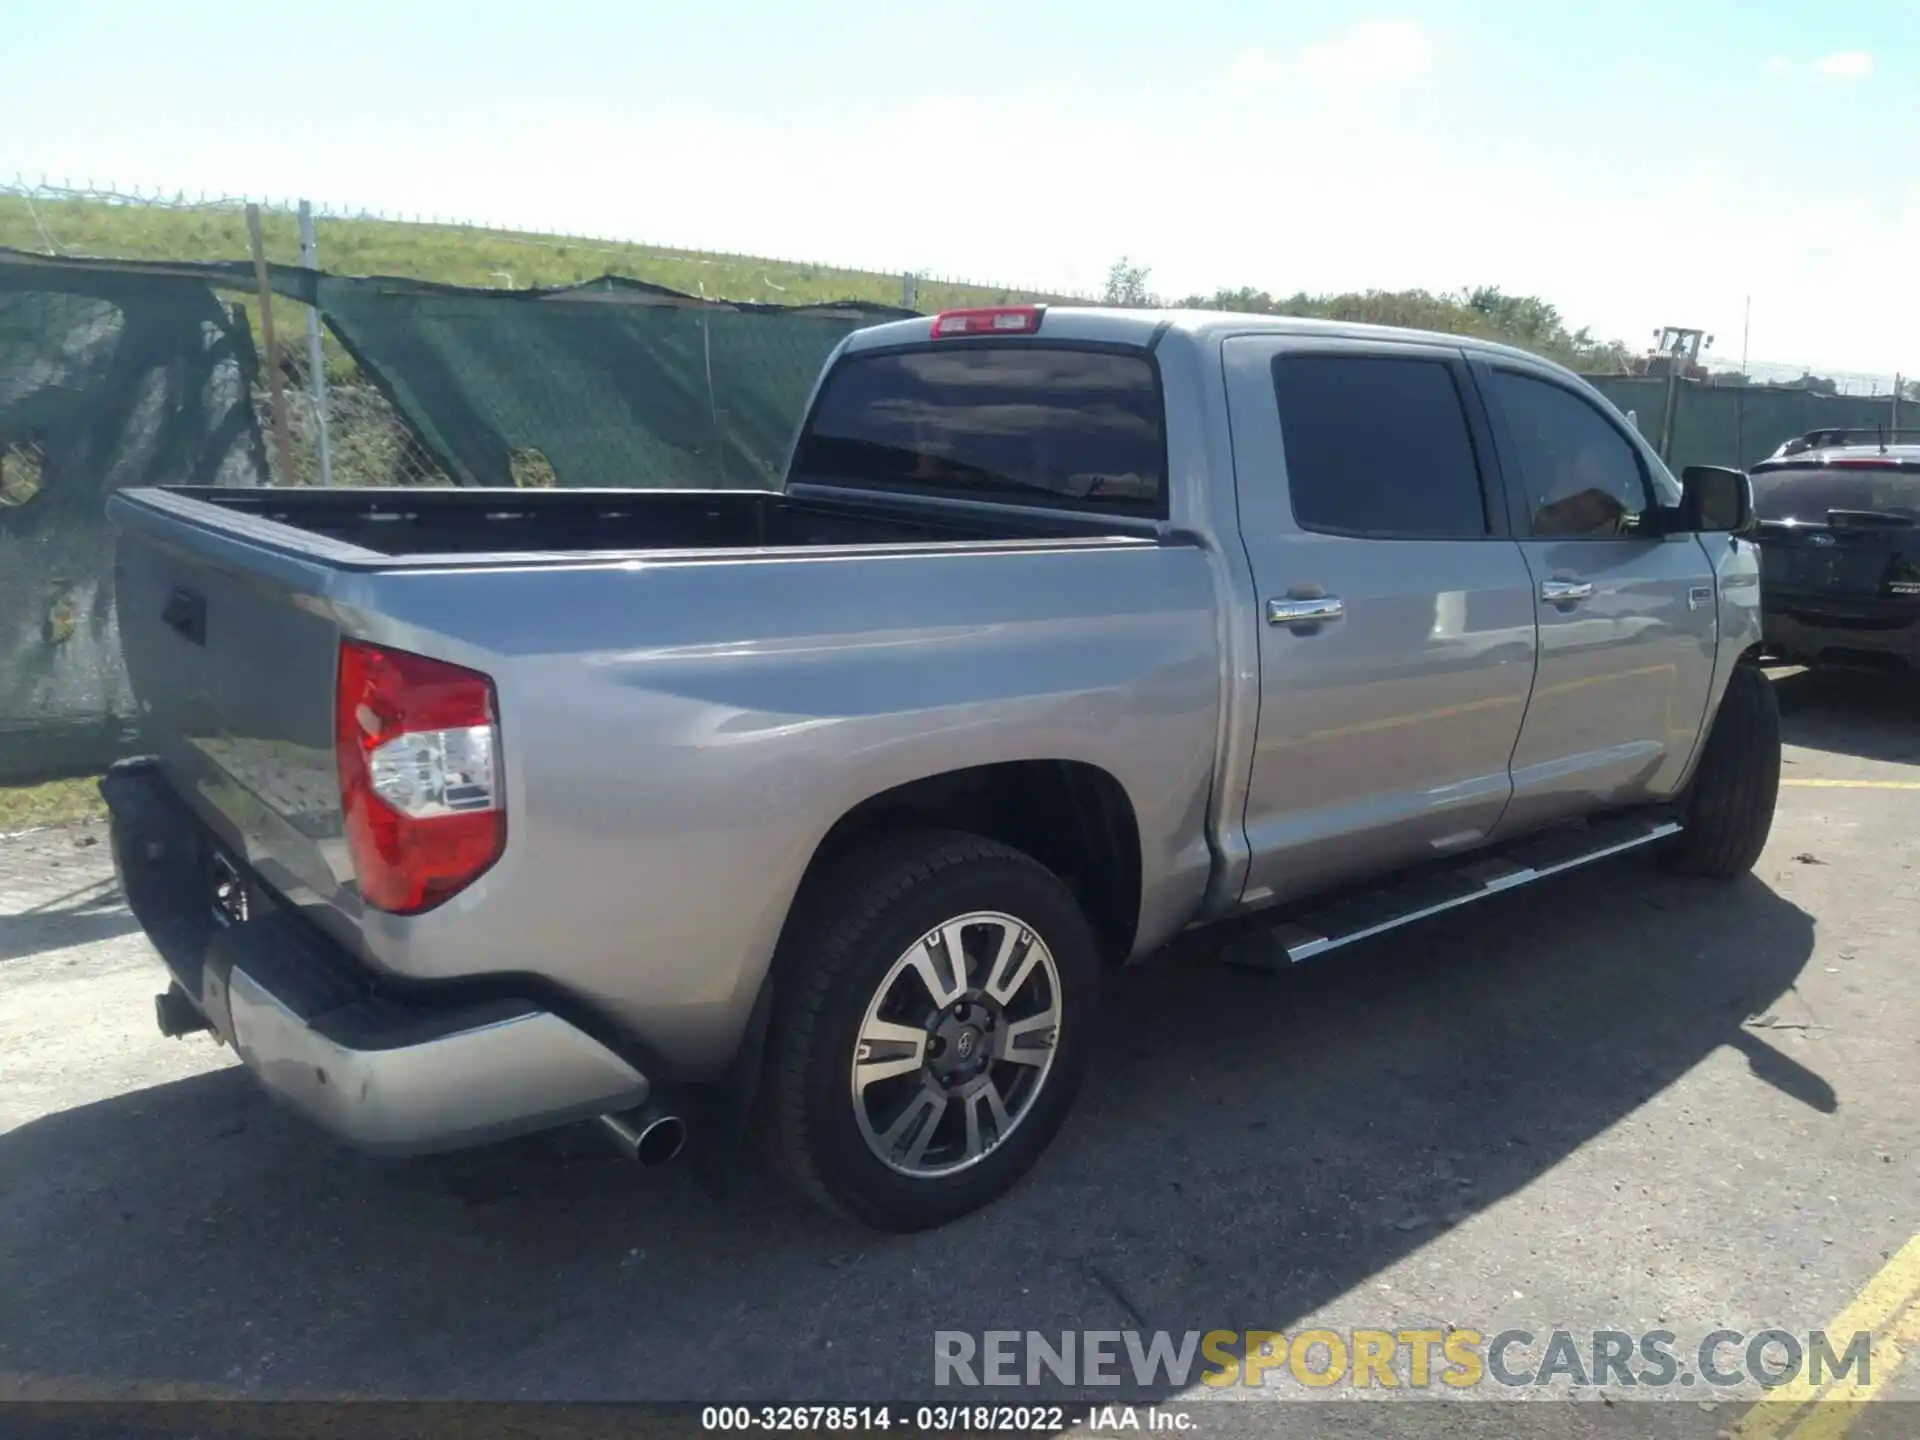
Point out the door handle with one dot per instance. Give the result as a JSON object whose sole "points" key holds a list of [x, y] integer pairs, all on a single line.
{"points": [[1565, 592], [1295, 610]]}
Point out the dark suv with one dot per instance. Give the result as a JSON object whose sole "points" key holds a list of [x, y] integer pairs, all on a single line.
{"points": [[1839, 531]]}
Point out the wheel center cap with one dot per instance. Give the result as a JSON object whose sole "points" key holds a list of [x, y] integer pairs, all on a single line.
{"points": [[961, 1046]]}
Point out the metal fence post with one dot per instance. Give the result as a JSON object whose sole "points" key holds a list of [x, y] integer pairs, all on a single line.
{"points": [[316, 353], [1894, 419]]}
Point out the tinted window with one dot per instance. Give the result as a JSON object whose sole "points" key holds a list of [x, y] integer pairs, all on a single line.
{"points": [[1807, 495], [1006, 422], [1578, 473], [1377, 447]]}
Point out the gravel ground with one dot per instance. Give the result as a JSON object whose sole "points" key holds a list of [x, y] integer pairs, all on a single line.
{"points": [[1616, 1102]]}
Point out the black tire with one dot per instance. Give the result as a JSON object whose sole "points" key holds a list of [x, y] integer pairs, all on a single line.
{"points": [[1729, 804], [847, 934]]}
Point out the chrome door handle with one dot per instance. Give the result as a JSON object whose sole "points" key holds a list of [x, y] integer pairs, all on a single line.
{"points": [[1565, 592], [1315, 611]]}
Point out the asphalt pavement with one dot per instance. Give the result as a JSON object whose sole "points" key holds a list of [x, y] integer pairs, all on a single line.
{"points": [[1614, 1102]]}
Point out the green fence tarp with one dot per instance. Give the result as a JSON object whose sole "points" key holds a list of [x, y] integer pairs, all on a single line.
{"points": [[106, 380], [1737, 424], [613, 383]]}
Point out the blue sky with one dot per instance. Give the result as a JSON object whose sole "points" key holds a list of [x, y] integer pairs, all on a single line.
{"points": [[1639, 163]]}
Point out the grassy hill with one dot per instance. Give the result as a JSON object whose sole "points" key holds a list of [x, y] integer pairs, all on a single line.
{"points": [[452, 254], [472, 255]]}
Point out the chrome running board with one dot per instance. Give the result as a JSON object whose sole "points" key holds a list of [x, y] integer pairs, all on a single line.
{"points": [[1359, 915]]}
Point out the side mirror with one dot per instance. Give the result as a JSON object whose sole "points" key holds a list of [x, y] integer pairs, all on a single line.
{"points": [[1715, 500]]}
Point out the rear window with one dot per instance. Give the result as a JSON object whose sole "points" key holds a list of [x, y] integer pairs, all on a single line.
{"points": [[1028, 423], [1807, 494]]}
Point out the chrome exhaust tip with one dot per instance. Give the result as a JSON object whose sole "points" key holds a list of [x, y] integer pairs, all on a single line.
{"points": [[648, 1136], [177, 1015]]}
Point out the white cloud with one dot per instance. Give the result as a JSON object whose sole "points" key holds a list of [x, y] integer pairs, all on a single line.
{"points": [[1373, 50], [1777, 65], [1845, 64], [1375, 53]]}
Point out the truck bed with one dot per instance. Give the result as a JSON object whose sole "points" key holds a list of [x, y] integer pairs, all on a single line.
{"points": [[405, 524]]}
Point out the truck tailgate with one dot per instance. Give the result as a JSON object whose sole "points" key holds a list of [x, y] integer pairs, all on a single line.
{"points": [[233, 653]]}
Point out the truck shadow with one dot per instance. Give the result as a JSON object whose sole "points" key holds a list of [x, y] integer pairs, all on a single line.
{"points": [[85, 916], [1869, 713], [1249, 1148]]}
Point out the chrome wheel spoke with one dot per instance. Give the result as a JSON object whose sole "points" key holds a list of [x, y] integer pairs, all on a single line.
{"points": [[1029, 1041], [887, 1050], [1003, 980], [978, 1140], [902, 1138], [953, 940], [943, 974]]}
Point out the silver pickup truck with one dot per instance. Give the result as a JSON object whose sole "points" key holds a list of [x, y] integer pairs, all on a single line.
{"points": [[821, 814]]}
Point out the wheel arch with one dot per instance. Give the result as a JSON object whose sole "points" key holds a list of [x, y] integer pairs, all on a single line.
{"points": [[1072, 816]]}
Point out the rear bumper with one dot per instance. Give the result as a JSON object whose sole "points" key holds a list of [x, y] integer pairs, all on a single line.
{"points": [[389, 1073], [1807, 627]]}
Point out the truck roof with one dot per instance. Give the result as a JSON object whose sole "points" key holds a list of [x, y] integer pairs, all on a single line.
{"points": [[1138, 327]]}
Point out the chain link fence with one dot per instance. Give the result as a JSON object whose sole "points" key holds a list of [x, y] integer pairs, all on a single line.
{"points": [[368, 442]]}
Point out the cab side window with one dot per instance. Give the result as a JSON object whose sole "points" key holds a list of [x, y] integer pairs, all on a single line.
{"points": [[1580, 476], [1378, 446]]}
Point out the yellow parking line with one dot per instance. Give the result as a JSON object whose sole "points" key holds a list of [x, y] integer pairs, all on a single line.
{"points": [[1884, 1297], [1833, 1413], [1856, 784]]}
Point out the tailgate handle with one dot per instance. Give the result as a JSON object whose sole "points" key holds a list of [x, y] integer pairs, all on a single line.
{"points": [[186, 614]]}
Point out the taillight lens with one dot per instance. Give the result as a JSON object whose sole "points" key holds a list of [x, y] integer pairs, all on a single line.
{"points": [[418, 743]]}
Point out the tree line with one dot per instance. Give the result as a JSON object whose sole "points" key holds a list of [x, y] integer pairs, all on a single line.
{"points": [[1484, 311]]}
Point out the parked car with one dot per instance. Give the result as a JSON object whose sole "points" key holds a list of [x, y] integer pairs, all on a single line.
{"points": [[824, 813], [1839, 547]]}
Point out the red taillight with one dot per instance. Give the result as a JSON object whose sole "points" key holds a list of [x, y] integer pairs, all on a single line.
{"points": [[995, 320], [419, 749]]}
